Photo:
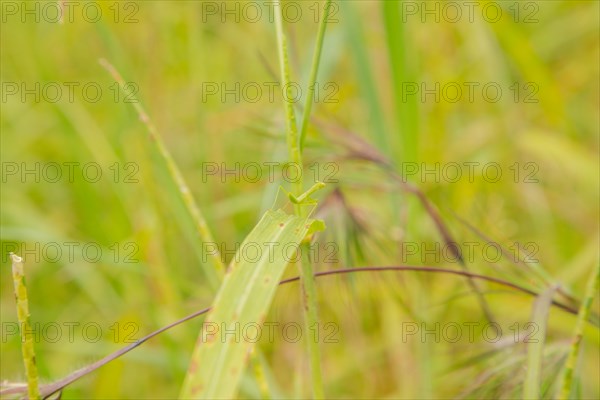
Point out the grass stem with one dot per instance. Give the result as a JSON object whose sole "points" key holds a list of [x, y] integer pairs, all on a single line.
{"points": [[18, 274], [312, 81], [295, 154], [582, 317]]}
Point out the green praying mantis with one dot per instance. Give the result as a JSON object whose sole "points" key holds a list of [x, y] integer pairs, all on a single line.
{"points": [[304, 198]]}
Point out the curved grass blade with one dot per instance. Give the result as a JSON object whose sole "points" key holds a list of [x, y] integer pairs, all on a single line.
{"points": [[218, 360], [214, 274]]}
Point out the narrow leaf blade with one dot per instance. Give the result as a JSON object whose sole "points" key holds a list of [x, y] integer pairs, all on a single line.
{"points": [[219, 359], [535, 347]]}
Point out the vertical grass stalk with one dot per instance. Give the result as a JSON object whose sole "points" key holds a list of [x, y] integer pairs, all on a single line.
{"points": [[582, 317], [292, 129], [295, 153], [312, 81], [535, 349], [368, 84], [406, 110], [311, 318], [18, 274]]}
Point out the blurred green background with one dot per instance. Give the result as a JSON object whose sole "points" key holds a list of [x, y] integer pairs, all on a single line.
{"points": [[543, 55]]}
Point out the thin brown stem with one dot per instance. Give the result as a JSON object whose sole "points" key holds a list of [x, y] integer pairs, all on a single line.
{"points": [[47, 390]]}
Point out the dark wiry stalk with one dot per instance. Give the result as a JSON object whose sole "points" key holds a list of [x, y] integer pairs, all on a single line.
{"points": [[49, 389]]}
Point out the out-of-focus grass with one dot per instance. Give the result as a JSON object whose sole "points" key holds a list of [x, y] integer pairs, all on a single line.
{"points": [[169, 54]]}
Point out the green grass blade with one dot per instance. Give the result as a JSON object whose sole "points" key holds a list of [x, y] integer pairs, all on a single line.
{"points": [[368, 85], [535, 347], [244, 298], [311, 319], [582, 317], [292, 128], [18, 274], [406, 109], [203, 230], [518, 49], [312, 81]]}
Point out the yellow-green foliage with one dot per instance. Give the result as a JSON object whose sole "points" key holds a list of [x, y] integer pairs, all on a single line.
{"points": [[154, 267]]}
